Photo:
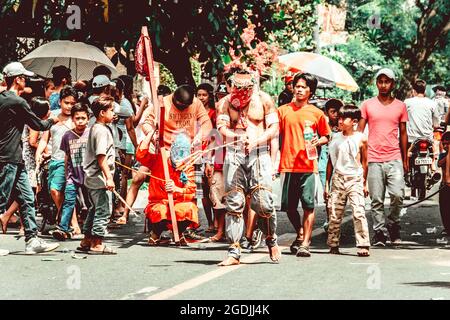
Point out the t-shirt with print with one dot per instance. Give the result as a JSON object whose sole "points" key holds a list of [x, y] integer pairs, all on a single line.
{"points": [[74, 146], [100, 142], [292, 125], [192, 119], [384, 122]]}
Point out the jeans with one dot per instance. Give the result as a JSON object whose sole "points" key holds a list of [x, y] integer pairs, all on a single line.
{"points": [[15, 185], [99, 213], [70, 199], [382, 176]]}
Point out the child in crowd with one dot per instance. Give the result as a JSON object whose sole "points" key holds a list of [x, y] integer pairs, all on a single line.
{"points": [[99, 168], [52, 138], [73, 144], [332, 107], [348, 164]]}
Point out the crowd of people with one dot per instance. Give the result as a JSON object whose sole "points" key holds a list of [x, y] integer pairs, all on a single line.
{"points": [[71, 152]]}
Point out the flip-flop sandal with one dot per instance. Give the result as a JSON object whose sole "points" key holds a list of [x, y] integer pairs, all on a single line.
{"points": [[83, 249], [106, 251], [152, 242]]}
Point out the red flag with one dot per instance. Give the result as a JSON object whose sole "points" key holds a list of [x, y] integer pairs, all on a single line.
{"points": [[141, 59]]}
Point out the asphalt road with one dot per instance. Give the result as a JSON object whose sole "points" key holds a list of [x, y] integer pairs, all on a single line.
{"points": [[417, 269]]}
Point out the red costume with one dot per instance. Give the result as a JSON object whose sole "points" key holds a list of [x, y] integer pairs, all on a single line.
{"points": [[157, 209]]}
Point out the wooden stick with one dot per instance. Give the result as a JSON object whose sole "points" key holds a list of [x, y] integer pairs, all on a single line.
{"points": [[120, 197], [149, 55]]}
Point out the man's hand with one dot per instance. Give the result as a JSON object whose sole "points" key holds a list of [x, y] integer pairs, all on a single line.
{"points": [[110, 184], [115, 118], [406, 166], [315, 141], [170, 186], [326, 195], [144, 102], [366, 191]]}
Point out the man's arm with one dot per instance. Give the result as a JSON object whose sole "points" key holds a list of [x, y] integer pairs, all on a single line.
{"points": [[41, 146], [143, 107], [364, 162], [404, 146], [362, 125], [103, 164], [131, 132], [328, 179], [33, 121]]}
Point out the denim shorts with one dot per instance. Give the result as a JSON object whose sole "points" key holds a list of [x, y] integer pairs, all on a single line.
{"points": [[56, 175]]}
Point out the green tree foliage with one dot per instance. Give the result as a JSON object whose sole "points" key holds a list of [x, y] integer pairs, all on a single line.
{"points": [[298, 20], [412, 34]]}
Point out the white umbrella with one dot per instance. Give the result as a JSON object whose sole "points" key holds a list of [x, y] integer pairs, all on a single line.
{"points": [[80, 57], [322, 67]]}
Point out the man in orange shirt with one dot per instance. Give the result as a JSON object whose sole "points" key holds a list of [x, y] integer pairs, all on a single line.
{"points": [[299, 171], [183, 111]]}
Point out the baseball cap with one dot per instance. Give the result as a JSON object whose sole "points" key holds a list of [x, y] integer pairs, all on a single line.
{"points": [[439, 87], [222, 88], [387, 72], [15, 69], [288, 79], [101, 81]]}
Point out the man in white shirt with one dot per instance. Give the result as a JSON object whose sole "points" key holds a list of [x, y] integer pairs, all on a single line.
{"points": [[423, 114]]}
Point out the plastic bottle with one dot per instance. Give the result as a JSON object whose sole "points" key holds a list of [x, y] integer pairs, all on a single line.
{"points": [[308, 134]]}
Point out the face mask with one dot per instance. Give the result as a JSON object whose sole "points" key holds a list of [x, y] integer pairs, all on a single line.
{"points": [[240, 98], [180, 149]]}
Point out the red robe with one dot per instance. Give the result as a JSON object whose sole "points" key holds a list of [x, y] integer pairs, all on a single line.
{"points": [[158, 203]]}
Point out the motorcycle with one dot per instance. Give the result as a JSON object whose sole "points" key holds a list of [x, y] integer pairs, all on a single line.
{"points": [[422, 175]]}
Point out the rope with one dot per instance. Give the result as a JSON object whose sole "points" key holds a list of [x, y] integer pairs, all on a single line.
{"points": [[426, 198], [137, 171]]}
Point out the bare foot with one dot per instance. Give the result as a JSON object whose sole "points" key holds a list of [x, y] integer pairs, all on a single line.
{"points": [[3, 223], [21, 231], [275, 253], [363, 252], [122, 220], [76, 231], [230, 261], [334, 250]]}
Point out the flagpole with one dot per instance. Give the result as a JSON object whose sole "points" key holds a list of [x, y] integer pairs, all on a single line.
{"points": [[160, 114]]}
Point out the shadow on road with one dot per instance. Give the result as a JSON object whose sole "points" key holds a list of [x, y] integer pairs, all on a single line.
{"points": [[433, 284]]}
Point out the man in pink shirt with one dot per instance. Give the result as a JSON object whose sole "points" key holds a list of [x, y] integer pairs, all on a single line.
{"points": [[387, 147]]}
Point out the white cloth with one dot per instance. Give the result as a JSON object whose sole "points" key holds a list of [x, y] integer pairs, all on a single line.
{"points": [[344, 154], [422, 116]]}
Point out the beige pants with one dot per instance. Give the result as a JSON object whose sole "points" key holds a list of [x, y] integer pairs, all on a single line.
{"points": [[351, 188]]}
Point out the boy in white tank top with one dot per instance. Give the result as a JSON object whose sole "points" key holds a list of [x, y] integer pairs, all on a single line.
{"points": [[347, 164]]}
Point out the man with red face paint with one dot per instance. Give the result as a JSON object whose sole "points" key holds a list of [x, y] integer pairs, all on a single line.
{"points": [[249, 118]]}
